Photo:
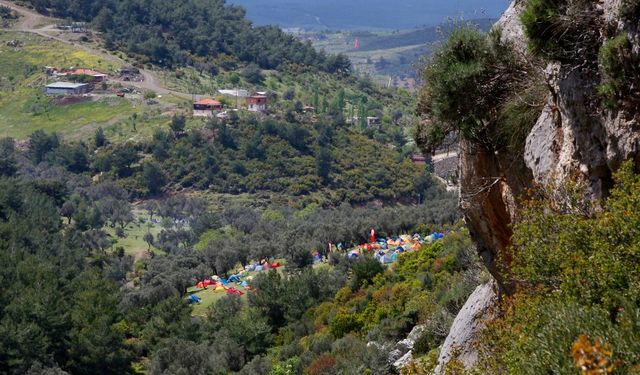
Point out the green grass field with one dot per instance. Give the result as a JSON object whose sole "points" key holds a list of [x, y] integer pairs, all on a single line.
{"points": [[24, 108], [133, 242], [209, 297]]}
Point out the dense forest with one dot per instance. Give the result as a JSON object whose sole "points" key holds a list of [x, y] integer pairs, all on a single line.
{"points": [[75, 303], [319, 162], [208, 34]]}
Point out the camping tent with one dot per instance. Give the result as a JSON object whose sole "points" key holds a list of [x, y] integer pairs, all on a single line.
{"points": [[193, 299], [386, 259], [234, 279], [200, 285], [244, 283], [234, 291]]}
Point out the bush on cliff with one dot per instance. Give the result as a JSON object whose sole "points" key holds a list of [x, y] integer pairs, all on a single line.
{"points": [[475, 85]]}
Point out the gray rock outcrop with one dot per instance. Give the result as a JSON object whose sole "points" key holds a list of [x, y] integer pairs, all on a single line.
{"points": [[467, 325]]}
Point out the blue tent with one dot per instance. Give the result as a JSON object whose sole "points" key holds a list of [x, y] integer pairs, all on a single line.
{"points": [[251, 267], [353, 255], [234, 279], [193, 299], [387, 259], [244, 283], [259, 268], [437, 235]]}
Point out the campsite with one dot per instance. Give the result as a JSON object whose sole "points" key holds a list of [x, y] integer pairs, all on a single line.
{"points": [[209, 291]]}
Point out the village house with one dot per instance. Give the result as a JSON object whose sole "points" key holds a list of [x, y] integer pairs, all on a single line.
{"points": [[205, 107], [67, 88], [418, 159], [257, 102], [373, 121]]}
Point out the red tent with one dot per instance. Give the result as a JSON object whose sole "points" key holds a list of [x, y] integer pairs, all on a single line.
{"points": [[234, 291], [200, 285], [275, 264]]}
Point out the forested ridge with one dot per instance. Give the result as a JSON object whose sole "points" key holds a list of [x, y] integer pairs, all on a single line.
{"points": [[206, 33]]}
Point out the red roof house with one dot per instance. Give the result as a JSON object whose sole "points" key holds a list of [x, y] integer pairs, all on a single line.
{"points": [[205, 107], [257, 103]]}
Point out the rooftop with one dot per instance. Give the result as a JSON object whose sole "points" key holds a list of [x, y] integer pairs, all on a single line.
{"points": [[207, 101], [240, 93], [86, 72], [66, 85]]}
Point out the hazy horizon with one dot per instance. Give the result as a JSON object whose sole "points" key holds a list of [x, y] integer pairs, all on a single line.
{"points": [[366, 14]]}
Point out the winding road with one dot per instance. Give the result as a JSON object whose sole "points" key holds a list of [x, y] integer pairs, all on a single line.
{"points": [[35, 23]]}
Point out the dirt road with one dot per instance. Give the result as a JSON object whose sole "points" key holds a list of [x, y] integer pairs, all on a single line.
{"points": [[35, 23]]}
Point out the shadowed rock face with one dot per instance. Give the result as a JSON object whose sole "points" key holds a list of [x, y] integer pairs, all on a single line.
{"points": [[489, 182]]}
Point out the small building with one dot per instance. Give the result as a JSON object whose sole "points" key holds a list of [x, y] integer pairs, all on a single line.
{"points": [[235, 93], [205, 107], [97, 76], [67, 88], [418, 159], [373, 121], [257, 103], [128, 70]]}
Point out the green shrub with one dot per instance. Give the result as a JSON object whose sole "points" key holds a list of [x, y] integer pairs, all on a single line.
{"points": [[518, 116], [364, 270], [344, 323], [473, 85], [425, 343], [564, 30], [593, 258], [622, 70], [537, 336], [541, 25]]}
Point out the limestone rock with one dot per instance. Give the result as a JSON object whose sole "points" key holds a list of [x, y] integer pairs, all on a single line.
{"points": [[468, 324], [403, 361]]}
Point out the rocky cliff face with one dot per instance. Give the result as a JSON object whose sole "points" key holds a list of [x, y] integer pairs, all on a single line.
{"points": [[575, 138]]}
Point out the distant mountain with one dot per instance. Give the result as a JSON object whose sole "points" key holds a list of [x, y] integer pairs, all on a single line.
{"points": [[366, 14]]}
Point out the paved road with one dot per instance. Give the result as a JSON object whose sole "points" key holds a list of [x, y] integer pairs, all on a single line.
{"points": [[30, 20]]}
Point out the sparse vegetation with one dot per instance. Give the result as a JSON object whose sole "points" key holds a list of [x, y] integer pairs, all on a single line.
{"points": [[566, 31], [621, 66]]}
